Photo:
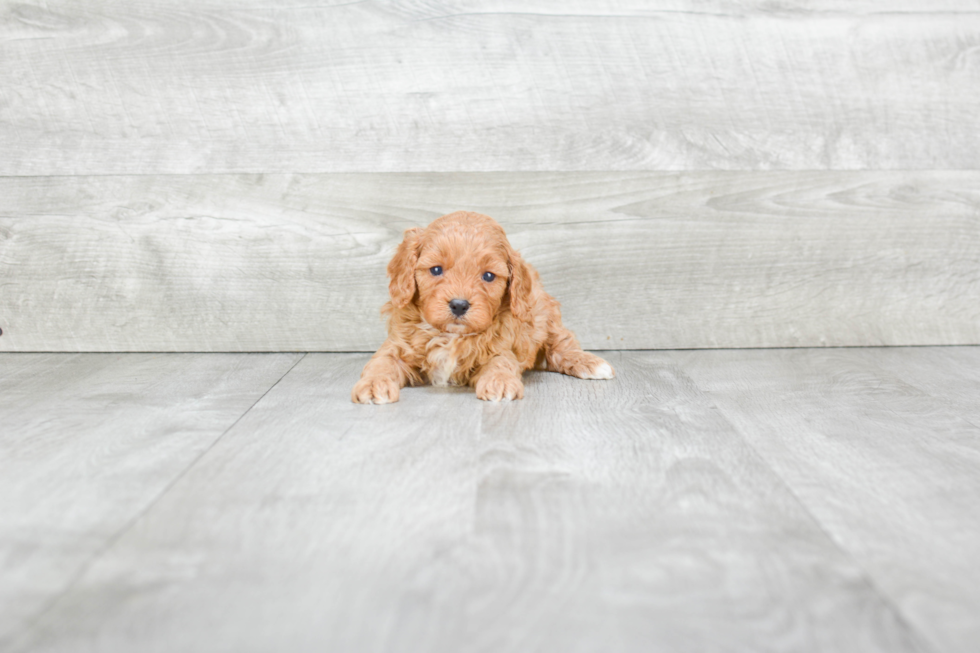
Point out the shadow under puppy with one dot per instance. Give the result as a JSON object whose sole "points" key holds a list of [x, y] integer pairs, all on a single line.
{"points": [[466, 309]]}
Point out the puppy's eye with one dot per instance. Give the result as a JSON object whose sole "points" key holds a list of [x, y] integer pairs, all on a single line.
{"points": [[489, 276], [436, 270]]}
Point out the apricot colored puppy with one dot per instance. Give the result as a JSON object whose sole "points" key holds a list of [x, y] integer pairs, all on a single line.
{"points": [[466, 309]]}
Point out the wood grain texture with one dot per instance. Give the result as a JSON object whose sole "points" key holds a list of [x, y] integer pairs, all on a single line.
{"points": [[890, 471], [89, 442], [154, 86], [951, 375], [624, 515], [638, 260]]}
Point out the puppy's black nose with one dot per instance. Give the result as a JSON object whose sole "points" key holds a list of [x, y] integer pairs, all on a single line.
{"points": [[459, 307]]}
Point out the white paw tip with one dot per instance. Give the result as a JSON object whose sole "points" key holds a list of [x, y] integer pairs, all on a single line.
{"points": [[604, 371]]}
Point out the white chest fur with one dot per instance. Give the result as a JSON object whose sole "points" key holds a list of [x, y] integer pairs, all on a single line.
{"points": [[441, 358], [442, 362]]}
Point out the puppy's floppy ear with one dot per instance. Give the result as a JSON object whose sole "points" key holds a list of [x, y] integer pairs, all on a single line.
{"points": [[401, 269], [519, 287]]}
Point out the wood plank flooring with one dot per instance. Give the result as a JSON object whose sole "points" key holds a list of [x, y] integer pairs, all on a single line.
{"points": [[764, 500], [899, 487], [88, 442]]}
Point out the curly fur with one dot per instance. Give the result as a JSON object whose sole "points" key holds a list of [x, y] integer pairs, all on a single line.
{"points": [[512, 324]]}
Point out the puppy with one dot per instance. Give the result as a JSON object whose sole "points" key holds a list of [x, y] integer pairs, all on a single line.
{"points": [[466, 309]]}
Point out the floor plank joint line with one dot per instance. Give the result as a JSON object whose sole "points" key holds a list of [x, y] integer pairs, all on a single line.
{"points": [[866, 576], [32, 622], [805, 508]]}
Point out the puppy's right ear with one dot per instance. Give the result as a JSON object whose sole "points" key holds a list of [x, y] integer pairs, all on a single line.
{"points": [[401, 269], [519, 287]]}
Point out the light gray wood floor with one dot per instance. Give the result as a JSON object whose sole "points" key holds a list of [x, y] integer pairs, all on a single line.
{"points": [[731, 500]]}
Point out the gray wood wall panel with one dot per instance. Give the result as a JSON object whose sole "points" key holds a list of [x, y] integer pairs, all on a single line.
{"points": [[590, 516], [90, 442], [639, 260], [103, 87]]}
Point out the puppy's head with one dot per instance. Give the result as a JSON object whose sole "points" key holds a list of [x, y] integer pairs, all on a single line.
{"points": [[460, 271]]}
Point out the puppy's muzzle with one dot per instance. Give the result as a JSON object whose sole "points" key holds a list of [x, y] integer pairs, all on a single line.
{"points": [[459, 307]]}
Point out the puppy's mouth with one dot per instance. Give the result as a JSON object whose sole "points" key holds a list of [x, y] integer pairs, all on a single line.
{"points": [[457, 325]]}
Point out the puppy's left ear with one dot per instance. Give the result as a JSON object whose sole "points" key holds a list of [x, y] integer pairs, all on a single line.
{"points": [[519, 287], [401, 269]]}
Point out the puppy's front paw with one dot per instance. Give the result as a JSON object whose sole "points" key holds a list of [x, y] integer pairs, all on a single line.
{"points": [[584, 365], [375, 390], [497, 386]]}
